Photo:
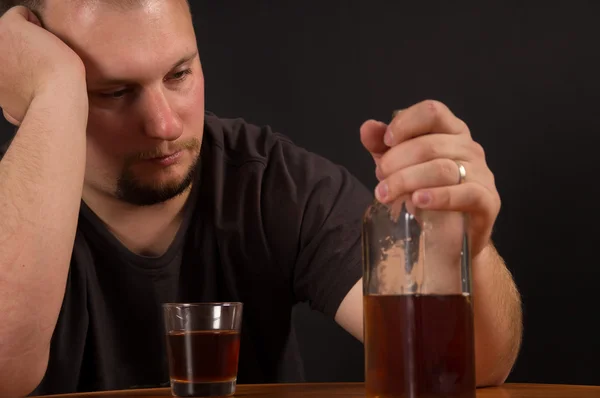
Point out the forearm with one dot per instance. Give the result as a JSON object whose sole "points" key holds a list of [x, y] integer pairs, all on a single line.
{"points": [[498, 318], [41, 178]]}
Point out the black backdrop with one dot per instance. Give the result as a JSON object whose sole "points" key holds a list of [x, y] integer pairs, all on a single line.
{"points": [[523, 75]]}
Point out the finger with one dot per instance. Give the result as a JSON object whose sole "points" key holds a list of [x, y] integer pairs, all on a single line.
{"points": [[469, 197], [371, 136], [11, 119], [435, 173], [423, 118], [426, 148], [25, 13]]}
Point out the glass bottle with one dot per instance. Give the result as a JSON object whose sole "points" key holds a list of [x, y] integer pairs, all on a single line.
{"points": [[418, 316]]}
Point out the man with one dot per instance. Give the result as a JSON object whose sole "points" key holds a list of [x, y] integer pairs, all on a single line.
{"points": [[119, 192]]}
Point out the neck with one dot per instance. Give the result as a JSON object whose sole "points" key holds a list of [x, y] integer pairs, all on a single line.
{"points": [[144, 230]]}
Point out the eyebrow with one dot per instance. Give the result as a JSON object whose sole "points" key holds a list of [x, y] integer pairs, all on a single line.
{"points": [[124, 82]]}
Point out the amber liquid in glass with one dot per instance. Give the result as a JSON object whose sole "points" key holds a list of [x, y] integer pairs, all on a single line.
{"points": [[419, 346], [203, 363]]}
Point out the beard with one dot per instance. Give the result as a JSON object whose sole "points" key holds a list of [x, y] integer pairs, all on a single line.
{"points": [[133, 191]]}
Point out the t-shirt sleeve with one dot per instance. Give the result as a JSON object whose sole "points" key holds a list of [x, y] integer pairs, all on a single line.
{"points": [[3, 148], [5, 141], [314, 210]]}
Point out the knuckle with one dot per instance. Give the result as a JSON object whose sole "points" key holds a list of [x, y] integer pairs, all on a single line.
{"points": [[492, 178], [384, 165], [445, 170], [434, 108], [478, 150], [464, 128], [432, 151], [479, 198], [483, 200], [496, 200]]}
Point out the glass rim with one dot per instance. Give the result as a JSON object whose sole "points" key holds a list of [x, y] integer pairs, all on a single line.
{"points": [[204, 304]]}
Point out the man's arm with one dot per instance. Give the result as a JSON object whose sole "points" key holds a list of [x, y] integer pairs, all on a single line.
{"points": [[497, 317], [41, 178]]}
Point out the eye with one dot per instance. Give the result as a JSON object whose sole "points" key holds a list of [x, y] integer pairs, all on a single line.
{"points": [[181, 75], [115, 94]]}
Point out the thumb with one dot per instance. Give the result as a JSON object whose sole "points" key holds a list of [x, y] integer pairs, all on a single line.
{"points": [[371, 136]]}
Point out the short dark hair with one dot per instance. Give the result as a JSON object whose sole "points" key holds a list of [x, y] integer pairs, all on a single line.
{"points": [[6, 5]]}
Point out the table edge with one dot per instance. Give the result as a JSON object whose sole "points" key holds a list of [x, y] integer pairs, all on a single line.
{"points": [[149, 391]]}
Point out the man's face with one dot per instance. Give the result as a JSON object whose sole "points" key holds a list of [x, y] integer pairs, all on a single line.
{"points": [[146, 94]]}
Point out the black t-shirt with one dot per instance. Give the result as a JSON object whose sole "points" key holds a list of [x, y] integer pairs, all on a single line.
{"points": [[267, 223]]}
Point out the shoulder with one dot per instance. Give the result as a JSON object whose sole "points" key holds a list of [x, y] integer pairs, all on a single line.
{"points": [[244, 163], [240, 141], [237, 142]]}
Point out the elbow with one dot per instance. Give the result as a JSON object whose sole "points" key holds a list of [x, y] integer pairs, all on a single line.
{"points": [[494, 373], [492, 380], [18, 388], [495, 358], [22, 379]]}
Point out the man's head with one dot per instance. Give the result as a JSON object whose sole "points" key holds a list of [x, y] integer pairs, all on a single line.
{"points": [[146, 92]]}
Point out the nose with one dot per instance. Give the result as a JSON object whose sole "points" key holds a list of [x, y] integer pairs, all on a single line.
{"points": [[160, 121]]}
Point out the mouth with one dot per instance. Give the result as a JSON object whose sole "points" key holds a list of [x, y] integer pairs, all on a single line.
{"points": [[166, 160]]}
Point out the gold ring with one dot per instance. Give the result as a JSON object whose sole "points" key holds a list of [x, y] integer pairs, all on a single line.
{"points": [[462, 172]]}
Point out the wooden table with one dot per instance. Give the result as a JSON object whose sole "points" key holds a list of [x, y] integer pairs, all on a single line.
{"points": [[357, 390]]}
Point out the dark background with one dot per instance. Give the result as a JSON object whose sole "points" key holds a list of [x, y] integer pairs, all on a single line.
{"points": [[524, 78]]}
